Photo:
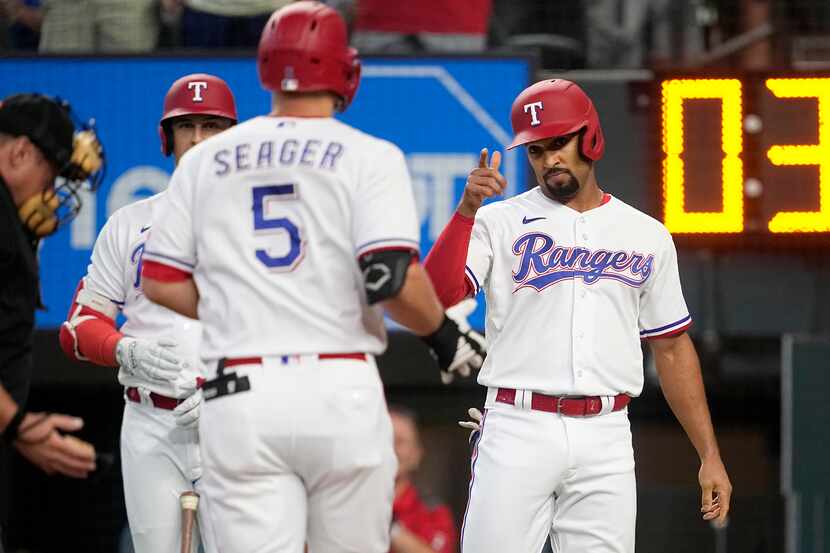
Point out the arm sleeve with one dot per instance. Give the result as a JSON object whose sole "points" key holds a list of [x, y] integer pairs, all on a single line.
{"points": [[89, 335], [445, 262], [663, 311], [383, 207], [172, 242]]}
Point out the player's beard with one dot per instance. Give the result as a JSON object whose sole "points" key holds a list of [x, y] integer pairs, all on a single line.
{"points": [[559, 190]]}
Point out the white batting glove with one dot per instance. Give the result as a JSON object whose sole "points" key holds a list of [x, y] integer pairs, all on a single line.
{"points": [[151, 359], [474, 425], [461, 311], [187, 412]]}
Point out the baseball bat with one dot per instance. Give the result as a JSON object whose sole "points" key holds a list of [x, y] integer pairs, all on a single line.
{"points": [[189, 502]]}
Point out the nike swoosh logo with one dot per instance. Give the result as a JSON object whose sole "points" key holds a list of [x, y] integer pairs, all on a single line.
{"points": [[525, 220], [145, 229]]}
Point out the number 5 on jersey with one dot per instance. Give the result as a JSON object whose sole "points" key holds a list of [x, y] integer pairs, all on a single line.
{"points": [[264, 196]]}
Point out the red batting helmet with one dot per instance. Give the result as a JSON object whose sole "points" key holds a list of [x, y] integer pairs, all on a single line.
{"points": [[556, 107], [304, 48], [196, 94]]}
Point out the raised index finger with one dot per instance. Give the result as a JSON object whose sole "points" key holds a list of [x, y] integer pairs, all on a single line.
{"points": [[482, 159]]}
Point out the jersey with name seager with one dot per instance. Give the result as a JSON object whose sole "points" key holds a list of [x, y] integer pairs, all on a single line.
{"points": [[115, 273], [570, 295], [270, 218]]}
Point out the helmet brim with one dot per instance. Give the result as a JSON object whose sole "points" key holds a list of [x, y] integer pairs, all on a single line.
{"points": [[543, 132]]}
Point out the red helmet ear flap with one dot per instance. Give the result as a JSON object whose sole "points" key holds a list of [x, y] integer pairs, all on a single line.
{"points": [[166, 146], [352, 82]]}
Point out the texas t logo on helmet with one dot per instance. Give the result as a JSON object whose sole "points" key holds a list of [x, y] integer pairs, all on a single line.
{"points": [[534, 119], [196, 87]]}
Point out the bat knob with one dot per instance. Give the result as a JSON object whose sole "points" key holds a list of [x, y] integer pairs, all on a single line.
{"points": [[189, 500]]}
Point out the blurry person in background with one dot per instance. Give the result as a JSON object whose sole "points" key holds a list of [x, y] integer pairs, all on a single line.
{"points": [[219, 23], [24, 18], [631, 34], [38, 143], [418, 525], [88, 26], [423, 26]]}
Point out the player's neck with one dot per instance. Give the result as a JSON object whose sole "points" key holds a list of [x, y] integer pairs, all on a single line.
{"points": [[306, 104], [587, 198]]}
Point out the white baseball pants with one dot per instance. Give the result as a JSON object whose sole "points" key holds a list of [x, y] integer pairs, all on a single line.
{"points": [[536, 473], [159, 461], [305, 456]]}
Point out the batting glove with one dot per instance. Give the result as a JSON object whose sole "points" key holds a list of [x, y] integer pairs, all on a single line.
{"points": [[151, 359], [455, 351], [460, 311], [474, 425], [187, 412]]}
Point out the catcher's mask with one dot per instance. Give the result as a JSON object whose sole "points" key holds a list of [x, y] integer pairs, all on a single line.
{"points": [[73, 149]]}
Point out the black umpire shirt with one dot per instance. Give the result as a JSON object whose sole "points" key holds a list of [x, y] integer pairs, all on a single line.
{"points": [[19, 297]]}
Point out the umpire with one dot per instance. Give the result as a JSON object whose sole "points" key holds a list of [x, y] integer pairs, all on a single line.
{"points": [[36, 146]]}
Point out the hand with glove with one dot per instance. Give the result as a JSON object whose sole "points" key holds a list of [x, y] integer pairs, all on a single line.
{"points": [[461, 311], [188, 411], [456, 351], [474, 425], [153, 360]]}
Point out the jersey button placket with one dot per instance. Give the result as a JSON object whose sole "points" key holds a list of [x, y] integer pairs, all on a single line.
{"points": [[577, 334]]}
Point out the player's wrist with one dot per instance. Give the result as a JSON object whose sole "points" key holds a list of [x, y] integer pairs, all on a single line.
{"points": [[467, 210], [125, 352], [11, 431], [710, 455]]}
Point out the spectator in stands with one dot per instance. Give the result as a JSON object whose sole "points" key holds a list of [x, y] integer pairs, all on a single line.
{"points": [[86, 26], [24, 18], [418, 526], [221, 23], [629, 34], [553, 30], [422, 26]]}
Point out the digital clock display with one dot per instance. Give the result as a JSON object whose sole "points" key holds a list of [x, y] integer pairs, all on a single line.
{"points": [[745, 155]]}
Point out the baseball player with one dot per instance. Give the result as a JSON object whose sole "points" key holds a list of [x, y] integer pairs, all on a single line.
{"points": [[288, 234], [155, 350], [574, 279]]}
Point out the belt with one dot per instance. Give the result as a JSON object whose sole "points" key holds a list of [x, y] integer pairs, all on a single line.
{"points": [[570, 406], [234, 361], [158, 400], [229, 383]]}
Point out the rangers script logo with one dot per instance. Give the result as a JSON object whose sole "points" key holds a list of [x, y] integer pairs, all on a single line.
{"points": [[543, 263]]}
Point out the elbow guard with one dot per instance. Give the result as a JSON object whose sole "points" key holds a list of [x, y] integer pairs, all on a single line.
{"points": [[88, 306], [384, 273]]}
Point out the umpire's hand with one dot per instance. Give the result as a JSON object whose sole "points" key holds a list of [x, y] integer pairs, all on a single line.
{"points": [[40, 440], [456, 351]]}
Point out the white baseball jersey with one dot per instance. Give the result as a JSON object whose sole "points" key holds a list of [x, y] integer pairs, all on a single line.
{"points": [[270, 218], [115, 273], [570, 295]]}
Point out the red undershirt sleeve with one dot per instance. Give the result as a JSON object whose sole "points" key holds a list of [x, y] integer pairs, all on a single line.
{"points": [[447, 259], [162, 272]]}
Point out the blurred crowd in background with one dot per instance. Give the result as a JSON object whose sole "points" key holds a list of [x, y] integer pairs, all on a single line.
{"points": [[582, 34]]}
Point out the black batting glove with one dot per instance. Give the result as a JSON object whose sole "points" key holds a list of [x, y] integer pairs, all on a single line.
{"points": [[455, 351]]}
